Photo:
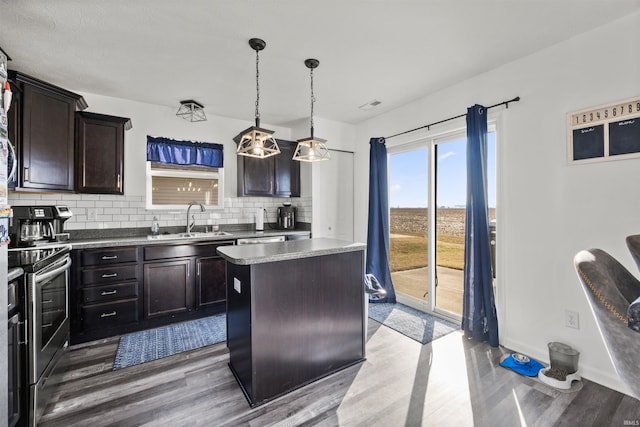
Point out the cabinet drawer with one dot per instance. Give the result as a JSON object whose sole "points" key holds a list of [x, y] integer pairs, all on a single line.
{"points": [[105, 293], [109, 256], [110, 314], [181, 251], [116, 273]]}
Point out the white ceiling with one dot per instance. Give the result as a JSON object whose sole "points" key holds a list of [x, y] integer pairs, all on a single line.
{"points": [[395, 51]]}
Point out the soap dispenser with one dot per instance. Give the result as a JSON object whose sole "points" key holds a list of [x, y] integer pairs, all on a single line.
{"points": [[155, 226]]}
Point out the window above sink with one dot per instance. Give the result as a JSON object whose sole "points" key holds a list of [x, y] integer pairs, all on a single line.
{"points": [[173, 186]]}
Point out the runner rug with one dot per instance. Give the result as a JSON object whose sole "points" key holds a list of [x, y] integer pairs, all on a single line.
{"points": [[413, 323], [152, 344]]}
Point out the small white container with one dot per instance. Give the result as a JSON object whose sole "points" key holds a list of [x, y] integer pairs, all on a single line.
{"points": [[259, 219]]}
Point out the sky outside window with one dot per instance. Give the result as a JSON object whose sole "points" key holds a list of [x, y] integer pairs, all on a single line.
{"points": [[408, 175]]}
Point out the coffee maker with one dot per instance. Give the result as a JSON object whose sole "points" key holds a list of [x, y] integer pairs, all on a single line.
{"points": [[31, 225], [286, 217]]}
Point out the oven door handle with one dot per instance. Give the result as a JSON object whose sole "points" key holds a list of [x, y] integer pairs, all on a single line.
{"points": [[54, 272]]}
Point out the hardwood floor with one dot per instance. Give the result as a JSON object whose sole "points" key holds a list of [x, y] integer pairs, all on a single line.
{"points": [[449, 382]]}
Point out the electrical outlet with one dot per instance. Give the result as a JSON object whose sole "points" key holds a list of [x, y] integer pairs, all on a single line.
{"points": [[572, 319]]}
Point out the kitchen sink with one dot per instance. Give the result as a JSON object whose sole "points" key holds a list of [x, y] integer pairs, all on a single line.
{"points": [[192, 235]]}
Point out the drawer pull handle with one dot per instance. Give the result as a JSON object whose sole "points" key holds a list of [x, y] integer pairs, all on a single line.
{"points": [[47, 325], [113, 292], [113, 313], [105, 257], [106, 276]]}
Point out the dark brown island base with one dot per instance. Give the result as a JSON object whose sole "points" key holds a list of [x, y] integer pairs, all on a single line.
{"points": [[295, 313]]}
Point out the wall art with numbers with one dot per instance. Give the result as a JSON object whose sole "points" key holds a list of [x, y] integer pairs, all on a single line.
{"points": [[607, 132]]}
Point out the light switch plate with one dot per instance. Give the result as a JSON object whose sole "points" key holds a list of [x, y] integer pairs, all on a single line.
{"points": [[237, 285], [572, 319]]}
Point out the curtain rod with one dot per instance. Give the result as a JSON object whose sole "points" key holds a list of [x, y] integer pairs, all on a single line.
{"points": [[516, 99]]}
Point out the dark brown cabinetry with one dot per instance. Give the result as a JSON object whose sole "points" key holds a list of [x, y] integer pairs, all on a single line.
{"points": [[100, 153], [108, 289], [43, 133], [124, 289], [286, 330], [181, 278], [210, 281], [275, 176], [287, 171], [167, 288]]}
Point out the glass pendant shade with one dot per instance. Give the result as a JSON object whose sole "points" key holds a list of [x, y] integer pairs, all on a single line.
{"points": [[311, 150], [256, 141]]}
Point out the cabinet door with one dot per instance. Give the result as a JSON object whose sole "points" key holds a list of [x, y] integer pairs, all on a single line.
{"points": [[167, 288], [100, 149], [255, 176], [210, 281], [287, 171], [47, 140]]}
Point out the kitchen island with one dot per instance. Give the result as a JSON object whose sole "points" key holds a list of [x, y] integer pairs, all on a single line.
{"points": [[295, 313]]}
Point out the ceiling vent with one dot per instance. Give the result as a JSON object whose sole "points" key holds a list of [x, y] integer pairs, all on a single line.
{"points": [[369, 105]]}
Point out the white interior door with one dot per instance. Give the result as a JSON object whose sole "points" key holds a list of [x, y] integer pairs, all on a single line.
{"points": [[332, 183]]}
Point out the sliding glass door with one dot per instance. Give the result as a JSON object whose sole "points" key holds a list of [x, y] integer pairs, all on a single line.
{"points": [[450, 196], [427, 198], [408, 203]]}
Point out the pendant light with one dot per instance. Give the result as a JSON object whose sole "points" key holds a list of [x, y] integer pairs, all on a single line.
{"points": [[311, 149], [256, 141]]}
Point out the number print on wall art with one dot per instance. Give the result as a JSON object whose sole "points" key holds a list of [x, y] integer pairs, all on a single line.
{"points": [[607, 132]]}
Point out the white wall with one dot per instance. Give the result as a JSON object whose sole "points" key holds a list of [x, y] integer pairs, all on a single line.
{"points": [[548, 210], [332, 217], [129, 210]]}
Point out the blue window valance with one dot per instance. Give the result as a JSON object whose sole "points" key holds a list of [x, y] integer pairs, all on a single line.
{"points": [[165, 150]]}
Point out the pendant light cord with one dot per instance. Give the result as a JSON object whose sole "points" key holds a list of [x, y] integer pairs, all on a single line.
{"points": [[257, 88], [313, 100]]}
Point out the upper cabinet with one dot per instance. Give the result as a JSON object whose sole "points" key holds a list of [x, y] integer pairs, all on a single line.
{"points": [[43, 134], [100, 153], [275, 176], [286, 171]]}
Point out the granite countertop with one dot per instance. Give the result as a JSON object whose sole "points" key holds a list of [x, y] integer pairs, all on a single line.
{"points": [[105, 241], [291, 249]]}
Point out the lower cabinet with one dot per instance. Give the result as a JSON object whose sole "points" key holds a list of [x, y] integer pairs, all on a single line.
{"points": [[210, 281], [183, 278], [167, 288], [121, 290], [105, 292]]}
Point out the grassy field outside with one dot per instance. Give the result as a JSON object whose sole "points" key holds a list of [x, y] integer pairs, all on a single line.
{"points": [[408, 241]]}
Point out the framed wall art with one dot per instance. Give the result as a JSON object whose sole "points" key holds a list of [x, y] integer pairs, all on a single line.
{"points": [[607, 132]]}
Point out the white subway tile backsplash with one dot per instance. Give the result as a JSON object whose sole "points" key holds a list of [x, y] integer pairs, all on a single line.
{"points": [[113, 211]]}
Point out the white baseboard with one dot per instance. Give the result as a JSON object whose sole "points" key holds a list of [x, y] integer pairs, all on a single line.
{"points": [[586, 371]]}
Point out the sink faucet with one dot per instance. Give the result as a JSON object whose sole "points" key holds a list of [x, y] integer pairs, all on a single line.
{"points": [[193, 219]]}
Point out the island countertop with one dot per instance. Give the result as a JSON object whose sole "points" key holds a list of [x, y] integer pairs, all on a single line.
{"points": [[291, 249]]}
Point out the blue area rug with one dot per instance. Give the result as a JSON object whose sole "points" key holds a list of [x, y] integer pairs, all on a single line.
{"points": [[152, 344], [413, 323]]}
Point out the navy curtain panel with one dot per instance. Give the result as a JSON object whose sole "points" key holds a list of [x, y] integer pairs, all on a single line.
{"points": [[165, 150], [378, 231], [479, 318]]}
